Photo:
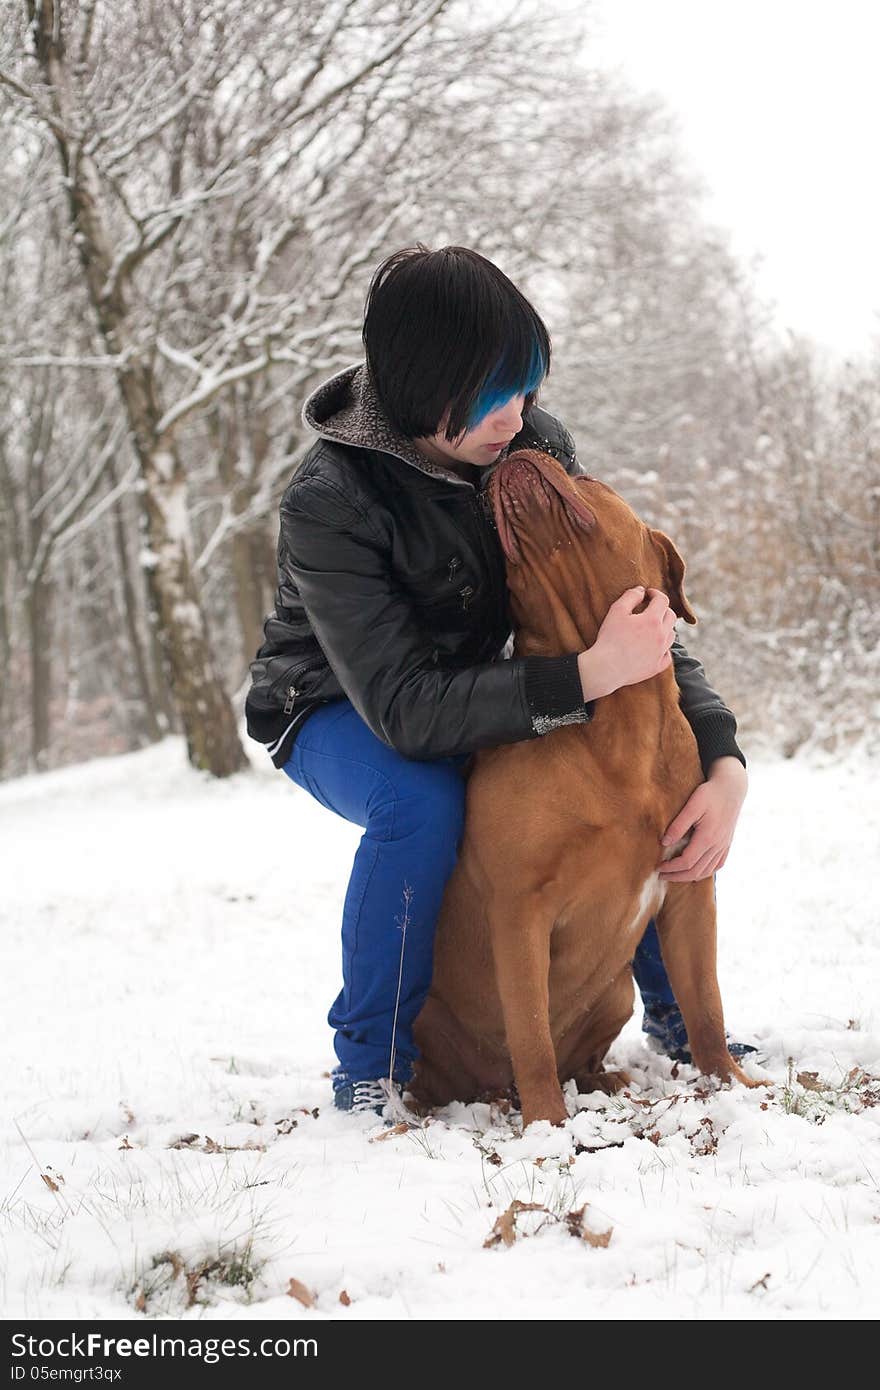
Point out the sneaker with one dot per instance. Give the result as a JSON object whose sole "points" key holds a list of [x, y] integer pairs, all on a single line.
{"points": [[362, 1097], [664, 1026]]}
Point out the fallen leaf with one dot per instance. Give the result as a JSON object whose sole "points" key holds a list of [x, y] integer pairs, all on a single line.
{"points": [[598, 1239], [400, 1128], [576, 1223], [574, 1220], [140, 1302], [194, 1278], [505, 1225], [184, 1141], [172, 1258], [299, 1291], [343, 1297], [810, 1081]]}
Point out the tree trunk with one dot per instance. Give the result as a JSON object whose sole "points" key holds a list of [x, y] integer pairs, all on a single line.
{"points": [[37, 606], [253, 581], [204, 706], [152, 720], [5, 659], [161, 679], [206, 710], [242, 446]]}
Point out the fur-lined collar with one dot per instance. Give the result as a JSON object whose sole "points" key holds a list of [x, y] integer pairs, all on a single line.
{"points": [[346, 408]]}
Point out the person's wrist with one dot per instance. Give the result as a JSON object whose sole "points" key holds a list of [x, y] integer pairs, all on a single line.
{"points": [[729, 770], [595, 678]]}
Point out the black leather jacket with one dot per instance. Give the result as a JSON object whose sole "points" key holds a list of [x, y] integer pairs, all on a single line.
{"points": [[392, 592]]}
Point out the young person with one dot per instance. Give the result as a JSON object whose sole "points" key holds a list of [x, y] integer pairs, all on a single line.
{"points": [[382, 667]]}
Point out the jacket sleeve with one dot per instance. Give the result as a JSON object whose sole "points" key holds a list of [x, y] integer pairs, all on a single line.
{"points": [[713, 724], [383, 659]]}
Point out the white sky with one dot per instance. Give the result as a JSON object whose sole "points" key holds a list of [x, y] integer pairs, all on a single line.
{"points": [[779, 109]]}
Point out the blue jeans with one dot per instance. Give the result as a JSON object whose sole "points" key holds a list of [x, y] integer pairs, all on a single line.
{"points": [[412, 814]]}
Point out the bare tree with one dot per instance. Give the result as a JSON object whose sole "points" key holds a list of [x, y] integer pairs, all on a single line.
{"points": [[277, 139], [217, 182]]}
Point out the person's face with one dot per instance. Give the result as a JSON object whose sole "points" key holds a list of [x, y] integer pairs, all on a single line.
{"points": [[484, 442]]}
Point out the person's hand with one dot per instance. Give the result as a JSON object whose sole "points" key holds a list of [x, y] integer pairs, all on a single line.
{"points": [[630, 647], [713, 810]]}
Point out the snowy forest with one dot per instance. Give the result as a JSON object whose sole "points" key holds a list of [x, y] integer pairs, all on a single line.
{"points": [[193, 197]]}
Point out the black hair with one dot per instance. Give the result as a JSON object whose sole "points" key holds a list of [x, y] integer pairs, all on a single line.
{"points": [[447, 330]]}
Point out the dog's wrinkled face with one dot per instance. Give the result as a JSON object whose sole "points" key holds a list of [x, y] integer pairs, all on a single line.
{"points": [[533, 498], [573, 546]]}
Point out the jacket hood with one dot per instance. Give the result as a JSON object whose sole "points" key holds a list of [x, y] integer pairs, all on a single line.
{"points": [[346, 408]]}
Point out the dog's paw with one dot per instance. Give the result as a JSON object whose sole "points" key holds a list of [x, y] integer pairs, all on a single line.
{"points": [[731, 1071], [608, 1082]]}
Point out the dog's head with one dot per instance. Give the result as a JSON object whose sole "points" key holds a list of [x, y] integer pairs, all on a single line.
{"points": [[573, 546]]}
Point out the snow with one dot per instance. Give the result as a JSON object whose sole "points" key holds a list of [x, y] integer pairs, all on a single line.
{"points": [[170, 497], [171, 954]]}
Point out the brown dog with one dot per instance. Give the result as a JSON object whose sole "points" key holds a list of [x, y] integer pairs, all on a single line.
{"points": [[557, 874]]}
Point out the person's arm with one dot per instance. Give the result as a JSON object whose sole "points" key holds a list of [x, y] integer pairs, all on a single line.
{"points": [[367, 627], [713, 724], [712, 809], [711, 812]]}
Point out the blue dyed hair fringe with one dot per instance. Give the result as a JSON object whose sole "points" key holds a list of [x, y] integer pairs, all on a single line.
{"points": [[499, 387]]}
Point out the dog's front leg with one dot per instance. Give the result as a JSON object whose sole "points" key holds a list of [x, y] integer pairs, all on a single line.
{"points": [[686, 928], [521, 948]]}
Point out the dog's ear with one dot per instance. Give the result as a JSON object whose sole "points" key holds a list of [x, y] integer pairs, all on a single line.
{"points": [[673, 566]]}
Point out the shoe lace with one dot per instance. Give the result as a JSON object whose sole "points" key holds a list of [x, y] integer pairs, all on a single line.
{"points": [[368, 1094]]}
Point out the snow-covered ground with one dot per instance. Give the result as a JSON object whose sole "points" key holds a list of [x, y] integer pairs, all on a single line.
{"points": [[171, 951]]}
